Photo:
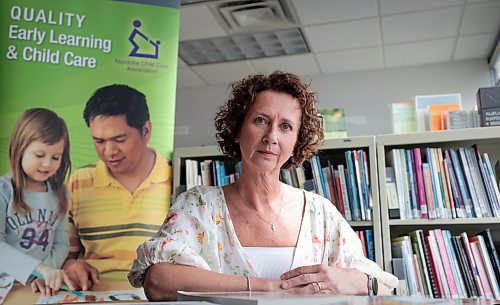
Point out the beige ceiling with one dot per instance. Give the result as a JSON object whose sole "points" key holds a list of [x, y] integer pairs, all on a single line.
{"points": [[356, 35]]}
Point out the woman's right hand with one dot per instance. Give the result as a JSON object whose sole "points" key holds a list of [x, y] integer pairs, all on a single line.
{"points": [[53, 278]]}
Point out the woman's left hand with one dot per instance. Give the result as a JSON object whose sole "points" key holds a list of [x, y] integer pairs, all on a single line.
{"points": [[325, 279]]}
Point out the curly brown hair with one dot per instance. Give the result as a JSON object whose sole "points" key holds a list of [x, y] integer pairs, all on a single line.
{"points": [[230, 116]]}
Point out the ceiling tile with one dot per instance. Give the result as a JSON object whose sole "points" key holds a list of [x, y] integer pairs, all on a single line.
{"points": [[481, 18], [186, 78], [398, 6], [224, 73], [475, 46], [423, 25], [323, 11], [351, 60], [344, 35], [419, 53], [303, 64], [197, 21]]}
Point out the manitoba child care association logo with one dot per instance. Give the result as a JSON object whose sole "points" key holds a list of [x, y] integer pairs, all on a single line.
{"points": [[144, 52], [137, 35]]}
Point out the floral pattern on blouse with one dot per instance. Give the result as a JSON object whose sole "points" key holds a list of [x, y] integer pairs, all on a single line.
{"points": [[198, 231]]}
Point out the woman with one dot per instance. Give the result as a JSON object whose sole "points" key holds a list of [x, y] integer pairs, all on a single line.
{"points": [[259, 234]]}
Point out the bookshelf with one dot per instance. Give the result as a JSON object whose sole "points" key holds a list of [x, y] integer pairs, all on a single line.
{"points": [[333, 150], [487, 141]]}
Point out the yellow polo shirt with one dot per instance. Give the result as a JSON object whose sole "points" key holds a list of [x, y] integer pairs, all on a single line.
{"points": [[108, 223]]}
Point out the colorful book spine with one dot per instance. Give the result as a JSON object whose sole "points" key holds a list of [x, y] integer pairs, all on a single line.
{"points": [[493, 181], [346, 197], [366, 184], [429, 190], [457, 275], [492, 252], [475, 249], [446, 263], [437, 267], [352, 186], [488, 266], [465, 267], [422, 200], [412, 184], [462, 184], [472, 263]]}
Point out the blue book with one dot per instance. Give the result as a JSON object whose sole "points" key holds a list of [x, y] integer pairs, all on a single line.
{"points": [[370, 244], [352, 185], [412, 182], [461, 183], [366, 184], [457, 198]]}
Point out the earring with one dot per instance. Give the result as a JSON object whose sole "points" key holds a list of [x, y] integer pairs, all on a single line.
{"points": [[237, 140]]}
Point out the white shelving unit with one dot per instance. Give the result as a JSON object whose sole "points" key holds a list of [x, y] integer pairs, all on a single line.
{"points": [[487, 140], [333, 148]]}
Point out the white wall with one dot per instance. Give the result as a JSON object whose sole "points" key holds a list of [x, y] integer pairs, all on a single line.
{"points": [[365, 97]]}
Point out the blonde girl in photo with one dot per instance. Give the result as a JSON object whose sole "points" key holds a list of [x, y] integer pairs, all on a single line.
{"points": [[34, 202]]}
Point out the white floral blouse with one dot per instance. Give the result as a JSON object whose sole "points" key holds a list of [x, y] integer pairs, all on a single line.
{"points": [[198, 231]]}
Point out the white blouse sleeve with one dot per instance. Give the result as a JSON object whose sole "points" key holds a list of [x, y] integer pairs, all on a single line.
{"points": [[179, 240]]}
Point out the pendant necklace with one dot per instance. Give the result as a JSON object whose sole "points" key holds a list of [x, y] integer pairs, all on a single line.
{"points": [[272, 224]]}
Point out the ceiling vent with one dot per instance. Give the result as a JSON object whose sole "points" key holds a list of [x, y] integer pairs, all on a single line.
{"points": [[255, 15]]}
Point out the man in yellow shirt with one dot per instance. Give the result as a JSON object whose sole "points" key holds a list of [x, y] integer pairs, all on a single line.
{"points": [[122, 200]]}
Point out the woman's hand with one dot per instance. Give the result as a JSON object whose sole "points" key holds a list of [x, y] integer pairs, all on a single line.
{"points": [[39, 285], [53, 278], [325, 279]]}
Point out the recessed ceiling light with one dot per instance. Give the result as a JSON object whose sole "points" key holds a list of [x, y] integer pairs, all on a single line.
{"points": [[245, 46]]}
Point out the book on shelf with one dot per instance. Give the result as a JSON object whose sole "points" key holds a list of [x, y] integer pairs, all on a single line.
{"points": [[345, 193], [437, 267], [401, 248], [440, 265], [488, 266], [481, 268], [399, 271], [423, 104], [392, 193], [488, 104], [457, 275], [464, 238], [403, 117], [438, 114], [441, 183], [370, 244], [492, 252], [418, 250], [410, 165], [465, 268], [456, 119]]}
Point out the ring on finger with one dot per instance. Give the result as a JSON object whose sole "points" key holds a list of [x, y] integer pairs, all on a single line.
{"points": [[319, 286]]}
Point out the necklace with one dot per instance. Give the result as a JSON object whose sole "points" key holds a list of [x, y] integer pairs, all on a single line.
{"points": [[272, 224]]}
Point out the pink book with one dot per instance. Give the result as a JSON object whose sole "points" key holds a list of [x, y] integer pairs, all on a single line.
{"points": [[474, 245], [470, 258], [418, 272], [421, 199], [446, 263], [435, 262]]}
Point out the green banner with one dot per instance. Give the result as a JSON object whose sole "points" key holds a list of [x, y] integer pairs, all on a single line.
{"points": [[55, 54]]}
